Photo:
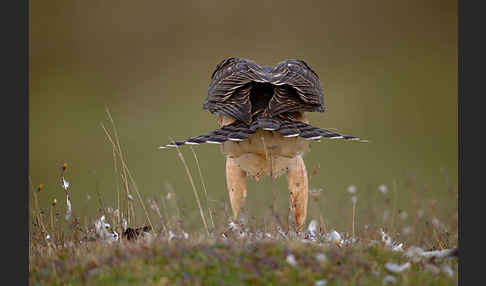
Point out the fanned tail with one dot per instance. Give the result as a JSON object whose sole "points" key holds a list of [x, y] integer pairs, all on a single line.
{"points": [[239, 131]]}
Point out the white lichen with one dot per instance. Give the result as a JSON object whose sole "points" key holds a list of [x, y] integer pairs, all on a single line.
{"points": [[389, 279], [291, 260], [397, 268]]}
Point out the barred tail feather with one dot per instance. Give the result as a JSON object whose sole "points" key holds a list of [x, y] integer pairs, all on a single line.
{"points": [[240, 131], [309, 132], [233, 132]]}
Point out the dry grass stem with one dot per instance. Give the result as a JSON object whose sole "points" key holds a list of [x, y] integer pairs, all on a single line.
{"points": [[193, 186], [125, 168], [204, 187]]}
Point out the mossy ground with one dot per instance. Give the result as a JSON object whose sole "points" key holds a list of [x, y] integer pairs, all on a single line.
{"points": [[231, 261]]}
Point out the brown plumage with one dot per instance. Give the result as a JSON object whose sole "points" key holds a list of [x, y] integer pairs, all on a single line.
{"points": [[263, 126], [270, 98]]}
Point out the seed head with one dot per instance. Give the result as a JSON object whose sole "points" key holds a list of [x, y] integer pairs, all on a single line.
{"points": [[39, 188], [383, 188], [352, 189], [64, 184]]}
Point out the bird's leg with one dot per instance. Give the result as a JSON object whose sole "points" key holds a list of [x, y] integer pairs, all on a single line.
{"points": [[236, 182], [298, 187]]}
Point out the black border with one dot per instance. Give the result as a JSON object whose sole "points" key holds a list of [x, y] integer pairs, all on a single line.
{"points": [[15, 117], [471, 63]]}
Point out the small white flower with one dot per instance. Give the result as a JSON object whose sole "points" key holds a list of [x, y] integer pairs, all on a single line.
{"points": [[171, 235], [185, 234], [68, 209], [313, 227], [291, 260], [233, 226], [352, 189], [130, 197], [395, 268], [389, 279], [65, 184], [354, 199], [105, 225], [383, 189], [48, 237], [102, 230], [320, 283], [386, 239], [334, 237], [321, 257]]}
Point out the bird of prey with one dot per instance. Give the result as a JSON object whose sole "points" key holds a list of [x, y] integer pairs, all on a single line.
{"points": [[263, 128]]}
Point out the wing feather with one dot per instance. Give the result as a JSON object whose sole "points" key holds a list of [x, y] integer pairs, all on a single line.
{"points": [[298, 88], [229, 89]]}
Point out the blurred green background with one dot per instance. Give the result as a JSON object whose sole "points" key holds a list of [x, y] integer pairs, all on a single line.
{"points": [[388, 70]]}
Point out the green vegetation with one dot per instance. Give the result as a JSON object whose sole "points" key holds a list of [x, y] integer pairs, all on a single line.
{"points": [[237, 261], [200, 248]]}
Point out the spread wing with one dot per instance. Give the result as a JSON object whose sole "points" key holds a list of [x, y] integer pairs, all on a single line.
{"points": [[298, 88], [229, 89]]}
